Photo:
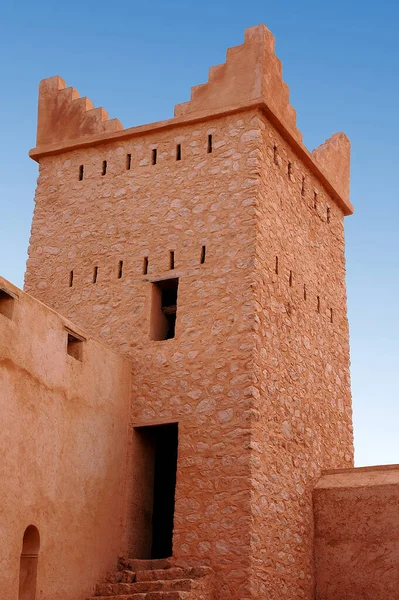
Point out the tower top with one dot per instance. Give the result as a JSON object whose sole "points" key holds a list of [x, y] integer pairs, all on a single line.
{"points": [[250, 78]]}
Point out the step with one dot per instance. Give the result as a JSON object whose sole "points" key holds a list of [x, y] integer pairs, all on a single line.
{"points": [[115, 589], [135, 564], [146, 596], [173, 573]]}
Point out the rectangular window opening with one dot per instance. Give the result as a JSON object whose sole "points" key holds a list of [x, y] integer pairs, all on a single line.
{"points": [[203, 254], [145, 265], [304, 292], [7, 302], [290, 279], [163, 309], [328, 214], [276, 266], [171, 259], [128, 162], [178, 152], [104, 169], [70, 278], [331, 315], [210, 144], [81, 172], [95, 274], [318, 304], [154, 156], [75, 345], [120, 269], [275, 155]]}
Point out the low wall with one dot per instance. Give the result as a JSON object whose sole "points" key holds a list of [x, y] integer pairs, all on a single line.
{"points": [[357, 534], [63, 444]]}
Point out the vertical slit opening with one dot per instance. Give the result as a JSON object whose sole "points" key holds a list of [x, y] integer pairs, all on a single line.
{"points": [[290, 279], [315, 200], [304, 292], [275, 154], [318, 304], [303, 185], [95, 274], [145, 265], [128, 162], [104, 169], [289, 169], [328, 214], [203, 254], [154, 156], [70, 278], [81, 172], [210, 144], [178, 152], [120, 269], [331, 315], [171, 259], [276, 266]]}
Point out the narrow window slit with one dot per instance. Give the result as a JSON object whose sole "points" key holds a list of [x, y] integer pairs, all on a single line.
{"points": [[70, 278], [275, 155], [81, 172], [328, 214], [290, 279], [95, 274], [315, 200], [289, 169], [276, 266], [210, 144], [203, 254], [154, 156], [303, 185], [304, 292], [104, 169], [318, 304], [331, 315], [171, 259], [145, 265], [128, 162], [178, 152], [120, 269]]}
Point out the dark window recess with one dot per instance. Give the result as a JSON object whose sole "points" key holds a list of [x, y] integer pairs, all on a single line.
{"points": [[178, 152], [7, 302], [331, 315], [318, 304], [145, 265], [95, 274], [203, 254], [328, 214], [304, 292], [210, 144], [128, 162], [289, 169], [70, 278], [154, 156], [303, 188], [276, 266], [120, 269], [171, 259], [75, 345], [104, 169], [81, 172], [275, 155], [290, 279], [315, 200], [164, 309]]}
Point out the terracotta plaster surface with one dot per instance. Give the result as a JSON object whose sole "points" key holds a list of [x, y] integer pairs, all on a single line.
{"points": [[257, 373], [357, 534], [63, 452]]}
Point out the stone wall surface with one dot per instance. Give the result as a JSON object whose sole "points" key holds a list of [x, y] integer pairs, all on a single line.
{"points": [[357, 534], [63, 452]]}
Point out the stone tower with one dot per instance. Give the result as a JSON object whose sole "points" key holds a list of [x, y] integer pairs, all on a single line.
{"points": [[209, 249]]}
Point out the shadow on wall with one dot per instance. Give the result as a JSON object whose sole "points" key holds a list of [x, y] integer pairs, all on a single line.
{"points": [[28, 564]]}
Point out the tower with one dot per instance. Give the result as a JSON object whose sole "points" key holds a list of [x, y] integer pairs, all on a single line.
{"points": [[209, 249]]}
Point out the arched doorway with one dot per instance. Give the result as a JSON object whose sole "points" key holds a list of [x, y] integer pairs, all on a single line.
{"points": [[28, 564]]}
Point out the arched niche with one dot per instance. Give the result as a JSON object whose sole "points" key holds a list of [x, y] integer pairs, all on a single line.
{"points": [[28, 564]]}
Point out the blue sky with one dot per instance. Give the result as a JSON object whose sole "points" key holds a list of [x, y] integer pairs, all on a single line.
{"points": [[138, 59]]}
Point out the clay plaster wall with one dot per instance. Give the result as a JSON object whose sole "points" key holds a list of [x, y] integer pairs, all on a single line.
{"points": [[302, 418], [357, 534], [63, 452]]}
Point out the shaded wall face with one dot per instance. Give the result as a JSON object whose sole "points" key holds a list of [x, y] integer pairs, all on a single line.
{"points": [[357, 534], [302, 361], [202, 377], [63, 445]]}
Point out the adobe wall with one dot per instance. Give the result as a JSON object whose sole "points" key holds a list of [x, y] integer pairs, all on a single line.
{"points": [[357, 534], [202, 377], [63, 447], [302, 418]]}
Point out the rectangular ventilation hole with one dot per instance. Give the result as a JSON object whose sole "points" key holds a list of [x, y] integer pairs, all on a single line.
{"points": [[331, 315], [276, 266], [328, 214], [318, 304], [171, 259], [70, 278], [275, 155], [81, 172], [289, 169], [163, 309], [128, 162], [95, 274], [303, 185], [7, 301], [104, 169], [120, 269], [145, 265], [203, 254], [154, 156], [178, 152], [210, 144], [75, 345], [304, 292], [315, 200], [290, 279]]}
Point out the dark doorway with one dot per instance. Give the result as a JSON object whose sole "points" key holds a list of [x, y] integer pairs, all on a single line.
{"points": [[28, 564], [155, 472]]}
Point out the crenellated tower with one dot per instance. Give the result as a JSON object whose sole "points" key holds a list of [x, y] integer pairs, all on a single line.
{"points": [[209, 249]]}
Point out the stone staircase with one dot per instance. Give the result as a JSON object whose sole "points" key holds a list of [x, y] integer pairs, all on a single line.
{"points": [[156, 580]]}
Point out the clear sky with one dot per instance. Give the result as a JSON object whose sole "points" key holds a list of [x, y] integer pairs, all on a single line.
{"points": [[138, 59]]}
